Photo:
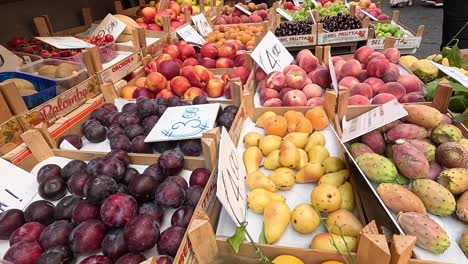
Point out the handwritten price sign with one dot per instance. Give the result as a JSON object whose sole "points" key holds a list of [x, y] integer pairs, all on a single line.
{"points": [[202, 24], [271, 55], [184, 122], [18, 187], [109, 25], [460, 77], [189, 34], [231, 179], [66, 42]]}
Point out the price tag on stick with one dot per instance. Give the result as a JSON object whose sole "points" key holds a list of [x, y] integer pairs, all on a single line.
{"points": [[247, 12], [66, 42], [332, 72], [202, 24], [231, 179], [284, 14], [458, 76], [271, 55], [17, 187], [109, 25], [189, 34]]}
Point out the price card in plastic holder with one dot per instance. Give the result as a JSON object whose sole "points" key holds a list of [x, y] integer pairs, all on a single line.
{"points": [[109, 25], [271, 55], [231, 179], [17, 187], [202, 24], [189, 34]]}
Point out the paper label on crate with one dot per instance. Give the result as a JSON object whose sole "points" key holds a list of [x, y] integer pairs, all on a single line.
{"points": [[284, 14], [373, 119], [458, 76], [343, 36], [189, 34], [247, 12], [231, 179], [271, 55], [184, 122], [66, 42], [18, 187], [297, 41], [332, 72], [8, 60], [121, 69], [369, 15], [27, 59], [67, 145], [400, 43], [109, 25], [202, 24]]}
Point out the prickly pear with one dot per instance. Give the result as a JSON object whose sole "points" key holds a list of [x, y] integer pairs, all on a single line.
{"points": [[359, 148], [434, 170], [436, 198], [409, 160], [376, 167], [452, 155], [375, 141], [399, 199], [429, 234], [389, 125], [423, 115], [401, 180], [446, 133], [464, 241], [425, 147], [462, 207], [455, 180], [405, 131]]}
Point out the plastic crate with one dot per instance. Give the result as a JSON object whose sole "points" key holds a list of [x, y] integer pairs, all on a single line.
{"points": [[107, 53], [27, 58], [63, 84], [46, 89]]}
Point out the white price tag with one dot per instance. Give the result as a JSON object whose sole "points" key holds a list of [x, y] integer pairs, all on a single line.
{"points": [[284, 14], [247, 12], [202, 24], [27, 59], [109, 25], [369, 15], [18, 187], [296, 3], [184, 122], [332, 72], [346, 3], [189, 34], [67, 145], [231, 179], [461, 78], [8, 60], [271, 55], [315, 3], [66, 42], [373, 119]]}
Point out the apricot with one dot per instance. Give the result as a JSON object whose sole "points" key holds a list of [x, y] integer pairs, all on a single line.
{"points": [[317, 117], [292, 115], [301, 124], [275, 125]]}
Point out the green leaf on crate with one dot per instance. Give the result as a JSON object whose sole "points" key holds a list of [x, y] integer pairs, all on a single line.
{"points": [[458, 88], [261, 237], [458, 104], [452, 53], [461, 118], [236, 240], [431, 87]]}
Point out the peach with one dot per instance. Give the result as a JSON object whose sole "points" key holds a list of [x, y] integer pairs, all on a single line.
{"points": [[142, 92], [348, 81], [351, 68], [338, 66], [162, 57], [186, 6], [260, 75], [169, 68], [275, 80], [154, 27], [411, 83], [174, 6], [127, 91], [273, 102], [390, 76], [166, 93], [382, 98], [308, 80], [156, 82], [255, 19], [144, 25], [193, 92], [220, 21], [292, 115], [236, 20], [315, 101], [181, 42], [215, 88], [321, 77], [358, 100], [413, 97], [186, 51], [172, 50], [261, 85], [336, 59], [148, 14], [197, 75], [227, 50], [394, 67], [317, 117], [224, 63], [375, 84], [394, 88], [307, 60], [294, 98], [262, 6], [244, 19], [362, 53], [373, 55], [242, 73], [227, 90], [290, 67], [362, 89], [283, 92], [392, 54], [263, 14], [209, 50], [190, 62], [140, 82], [275, 125], [362, 76], [179, 85], [300, 125], [208, 62], [312, 90], [296, 79], [158, 18], [377, 67], [268, 93], [239, 60]]}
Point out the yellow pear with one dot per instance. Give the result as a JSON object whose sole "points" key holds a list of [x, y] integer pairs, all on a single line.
{"points": [[344, 221], [317, 154], [298, 138], [323, 241], [304, 159], [311, 172], [283, 178], [347, 196], [271, 162], [326, 198], [269, 143], [315, 138], [333, 164], [252, 139], [252, 158], [259, 198], [275, 220], [257, 180], [262, 118], [287, 259], [289, 155], [305, 219], [335, 178]]}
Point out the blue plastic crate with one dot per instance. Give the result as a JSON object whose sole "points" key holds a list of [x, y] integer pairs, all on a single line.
{"points": [[46, 89]]}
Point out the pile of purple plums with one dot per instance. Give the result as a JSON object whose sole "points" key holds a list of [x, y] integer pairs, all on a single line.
{"points": [[112, 208]]}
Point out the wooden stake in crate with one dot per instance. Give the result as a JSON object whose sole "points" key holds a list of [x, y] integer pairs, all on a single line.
{"points": [[37, 144], [13, 98], [442, 96]]}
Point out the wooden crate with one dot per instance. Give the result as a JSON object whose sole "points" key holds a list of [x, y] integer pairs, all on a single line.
{"points": [[297, 42]]}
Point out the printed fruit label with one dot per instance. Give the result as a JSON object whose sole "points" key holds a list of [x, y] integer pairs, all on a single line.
{"points": [[10, 132], [121, 69], [343, 36], [298, 41], [400, 43]]}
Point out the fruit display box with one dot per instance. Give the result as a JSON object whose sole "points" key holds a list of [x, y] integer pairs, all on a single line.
{"points": [[124, 64], [10, 131], [447, 230], [252, 14], [182, 250], [27, 58], [293, 42], [407, 44]]}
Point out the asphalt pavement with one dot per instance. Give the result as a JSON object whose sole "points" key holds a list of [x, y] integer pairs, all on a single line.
{"points": [[421, 14]]}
